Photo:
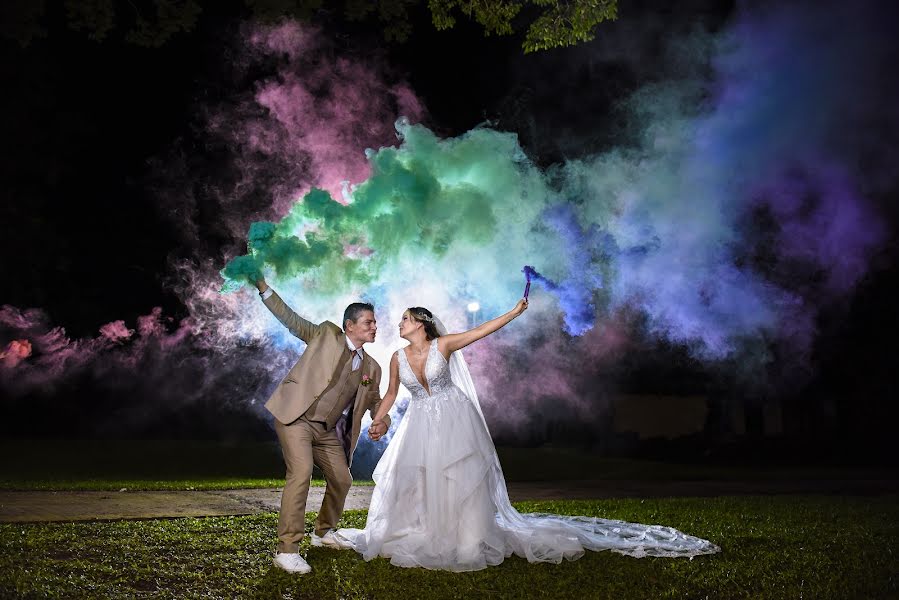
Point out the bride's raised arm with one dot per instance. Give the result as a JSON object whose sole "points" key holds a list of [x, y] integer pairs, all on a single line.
{"points": [[451, 342]]}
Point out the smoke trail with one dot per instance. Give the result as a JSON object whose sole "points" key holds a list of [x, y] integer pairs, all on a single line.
{"points": [[46, 356]]}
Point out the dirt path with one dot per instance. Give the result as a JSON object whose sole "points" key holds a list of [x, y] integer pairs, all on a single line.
{"points": [[36, 506]]}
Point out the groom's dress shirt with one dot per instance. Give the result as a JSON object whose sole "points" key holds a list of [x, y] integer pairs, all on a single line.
{"points": [[357, 354]]}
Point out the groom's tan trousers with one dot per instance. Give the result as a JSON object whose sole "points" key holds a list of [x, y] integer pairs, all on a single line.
{"points": [[302, 443]]}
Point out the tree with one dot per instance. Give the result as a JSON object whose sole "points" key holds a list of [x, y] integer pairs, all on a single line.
{"points": [[151, 23], [560, 22]]}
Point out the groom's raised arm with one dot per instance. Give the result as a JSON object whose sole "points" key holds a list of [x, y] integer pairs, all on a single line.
{"points": [[297, 325]]}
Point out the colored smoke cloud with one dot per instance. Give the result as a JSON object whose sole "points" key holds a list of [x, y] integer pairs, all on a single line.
{"points": [[736, 209], [673, 225]]}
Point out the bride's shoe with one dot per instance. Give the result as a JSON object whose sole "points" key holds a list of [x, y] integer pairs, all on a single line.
{"points": [[330, 540], [292, 562]]}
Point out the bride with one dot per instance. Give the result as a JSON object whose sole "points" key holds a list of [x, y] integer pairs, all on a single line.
{"points": [[440, 499]]}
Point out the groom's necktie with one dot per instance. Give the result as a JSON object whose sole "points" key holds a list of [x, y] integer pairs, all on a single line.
{"points": [[357, 359]]}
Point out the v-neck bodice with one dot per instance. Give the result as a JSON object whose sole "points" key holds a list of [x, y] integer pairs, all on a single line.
{"points": [[436, 372]]}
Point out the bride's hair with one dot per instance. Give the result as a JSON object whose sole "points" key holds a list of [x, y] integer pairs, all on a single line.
{"points": [[426, 318]]}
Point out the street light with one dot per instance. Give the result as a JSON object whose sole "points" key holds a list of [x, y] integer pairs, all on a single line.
{"points": [[473, 308]]}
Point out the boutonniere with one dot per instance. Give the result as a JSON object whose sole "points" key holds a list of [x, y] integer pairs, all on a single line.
{"points": [[366, 380]]}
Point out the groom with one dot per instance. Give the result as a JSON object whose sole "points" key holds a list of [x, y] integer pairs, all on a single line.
{"points": [[318, 410]]}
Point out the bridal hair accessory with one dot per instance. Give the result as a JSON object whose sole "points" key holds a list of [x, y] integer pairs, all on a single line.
{"points": [[424, 317]]}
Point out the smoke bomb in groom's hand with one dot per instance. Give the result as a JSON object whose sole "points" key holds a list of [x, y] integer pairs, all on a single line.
{"points": [[246, 269], [279, 248]]}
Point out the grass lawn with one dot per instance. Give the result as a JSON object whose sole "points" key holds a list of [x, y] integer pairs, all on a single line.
{"points": [[773, 547]]}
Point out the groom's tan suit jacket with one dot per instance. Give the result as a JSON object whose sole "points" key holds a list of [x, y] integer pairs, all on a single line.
{"points": [[313, 372]]}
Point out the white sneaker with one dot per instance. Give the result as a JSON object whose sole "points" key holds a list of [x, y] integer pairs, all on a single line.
{"points": [[292, 562], [330, 540]]}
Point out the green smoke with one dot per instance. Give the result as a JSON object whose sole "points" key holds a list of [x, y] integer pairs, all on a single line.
{"points": [[426, 196]]}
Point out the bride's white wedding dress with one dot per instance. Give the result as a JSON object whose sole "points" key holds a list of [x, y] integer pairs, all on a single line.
{"points": [[440, 499]]}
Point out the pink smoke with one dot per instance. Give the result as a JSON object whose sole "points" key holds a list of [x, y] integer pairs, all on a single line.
{"points": [[308, 124], [58, 356], [16, 351], [288, 38], [523, 382], [152, 326], [116, 331]]}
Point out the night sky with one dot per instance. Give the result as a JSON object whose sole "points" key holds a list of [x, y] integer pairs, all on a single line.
{"points": [[710, 185]]}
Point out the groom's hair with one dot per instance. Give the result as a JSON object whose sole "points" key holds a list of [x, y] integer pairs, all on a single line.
{"points": [[355, 309]]}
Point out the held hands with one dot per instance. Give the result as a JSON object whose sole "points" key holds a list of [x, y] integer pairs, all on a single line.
{"points": [[377, 429]]}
